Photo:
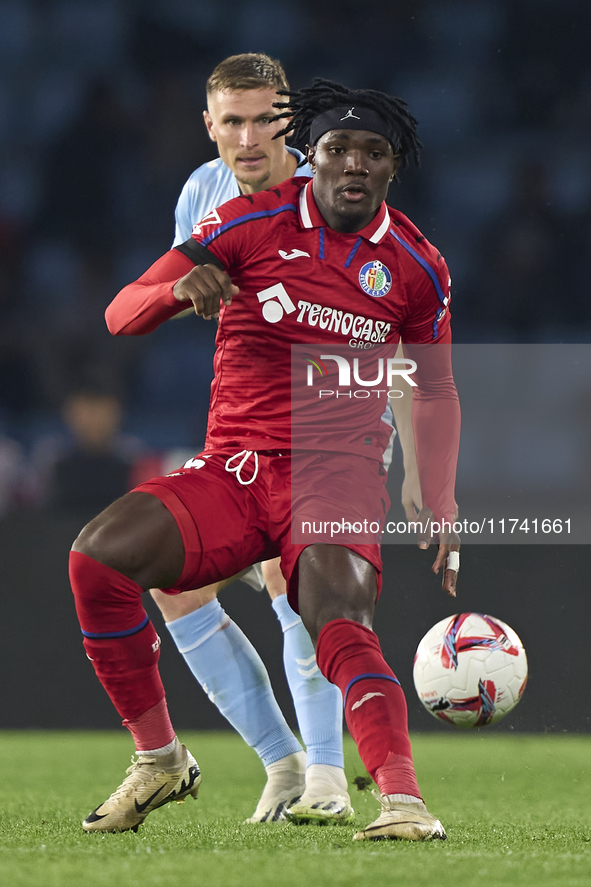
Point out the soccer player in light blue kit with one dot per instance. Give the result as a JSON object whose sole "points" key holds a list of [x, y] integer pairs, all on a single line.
{"points": [[240, 96]]}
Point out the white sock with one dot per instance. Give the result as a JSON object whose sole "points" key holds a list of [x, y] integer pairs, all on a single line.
{"points": [[404, 799], [288, 769], [160, 752], [325, 779]]}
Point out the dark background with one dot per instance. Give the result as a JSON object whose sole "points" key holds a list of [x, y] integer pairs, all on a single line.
{"points": [[100, 125]]}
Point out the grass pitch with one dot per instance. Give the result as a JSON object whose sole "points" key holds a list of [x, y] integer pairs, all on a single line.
{"points": [[517, 810]]}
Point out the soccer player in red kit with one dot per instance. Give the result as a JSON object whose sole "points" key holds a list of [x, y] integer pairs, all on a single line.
{"points": [[297, 263]]}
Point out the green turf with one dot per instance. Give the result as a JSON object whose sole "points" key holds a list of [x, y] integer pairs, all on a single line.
{"points": [[517, 810]]}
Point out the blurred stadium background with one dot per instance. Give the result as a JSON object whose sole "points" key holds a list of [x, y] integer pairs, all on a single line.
{"points": [[100, 125]]}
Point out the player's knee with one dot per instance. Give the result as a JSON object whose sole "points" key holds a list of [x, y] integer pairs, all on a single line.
{"points": [[176, 606], [136, 536], [103, 540], [106, 602], [274, 579], [334, 583]]}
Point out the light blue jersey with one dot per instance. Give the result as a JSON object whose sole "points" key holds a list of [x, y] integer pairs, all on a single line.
{"points": [[208, 187]]}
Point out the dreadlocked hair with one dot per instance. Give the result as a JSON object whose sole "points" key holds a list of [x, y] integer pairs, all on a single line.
{"points": [[305, 104]]}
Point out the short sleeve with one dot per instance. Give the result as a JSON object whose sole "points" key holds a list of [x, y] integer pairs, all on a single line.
{"points": [[428, 303], [234, 232], [183, 215]]}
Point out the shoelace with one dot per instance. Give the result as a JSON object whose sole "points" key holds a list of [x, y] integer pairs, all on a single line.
{"points": [[236, 469], [128, 785]]}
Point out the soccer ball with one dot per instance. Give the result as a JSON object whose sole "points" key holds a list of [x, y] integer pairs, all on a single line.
{"points": [[470, 670]]}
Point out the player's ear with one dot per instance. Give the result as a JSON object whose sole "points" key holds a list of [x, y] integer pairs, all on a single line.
{"points": [[397, 162], [310, 155], [209, 125]]}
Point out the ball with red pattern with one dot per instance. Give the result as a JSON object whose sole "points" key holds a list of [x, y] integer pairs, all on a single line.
{"points": [[470, 670]]}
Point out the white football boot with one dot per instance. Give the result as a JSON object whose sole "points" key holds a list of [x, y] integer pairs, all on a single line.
{"points": [[402, 821], [152, 782], [286, 780], [325, 800]]}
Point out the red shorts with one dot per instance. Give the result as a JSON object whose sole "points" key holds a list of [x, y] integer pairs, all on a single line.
{"points": [[232, 515]]}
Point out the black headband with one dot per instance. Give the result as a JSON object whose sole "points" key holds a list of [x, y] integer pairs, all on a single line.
{"points": [[353, 118]]}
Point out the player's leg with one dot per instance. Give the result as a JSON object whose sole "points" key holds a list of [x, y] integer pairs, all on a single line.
{"points": [[318, 706], [132, 545], [233, 675], [317, 702], [337, 589]]}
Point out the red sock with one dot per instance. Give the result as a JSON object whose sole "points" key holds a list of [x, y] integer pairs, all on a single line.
{"points": [[153, 729], [349, 655], [121, 643]]}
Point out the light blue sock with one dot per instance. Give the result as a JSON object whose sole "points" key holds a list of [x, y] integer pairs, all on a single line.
{"points": [[318, 703], [233, 675]]}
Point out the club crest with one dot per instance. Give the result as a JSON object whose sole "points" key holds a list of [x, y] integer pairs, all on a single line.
{"points": [[375, 279]]}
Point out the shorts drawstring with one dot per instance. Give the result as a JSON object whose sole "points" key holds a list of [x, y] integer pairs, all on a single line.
{"points": [[246, 454]]}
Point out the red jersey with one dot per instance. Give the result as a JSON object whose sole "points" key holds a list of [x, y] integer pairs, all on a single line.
{"points": [[300, 282]]}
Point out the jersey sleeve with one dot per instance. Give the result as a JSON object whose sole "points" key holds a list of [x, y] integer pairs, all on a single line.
{"points": [[141, 306], [183, 215], [436, 424], [426, 334], [226, 232], [219, 238], [428, 303]]}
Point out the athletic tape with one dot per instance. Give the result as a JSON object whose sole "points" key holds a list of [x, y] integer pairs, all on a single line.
{"points": [[453, 561]]}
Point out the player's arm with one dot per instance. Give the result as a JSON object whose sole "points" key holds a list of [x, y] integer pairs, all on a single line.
{"points": [[188, 208], [436, 425], [435, 414], [411, 488], [189, 273]]}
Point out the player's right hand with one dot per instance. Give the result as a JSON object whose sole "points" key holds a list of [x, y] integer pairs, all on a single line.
{"points": [[205, 286]]}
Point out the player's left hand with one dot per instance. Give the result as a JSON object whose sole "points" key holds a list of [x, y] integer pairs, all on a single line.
{"points": [[448, 555], [411, 494]]}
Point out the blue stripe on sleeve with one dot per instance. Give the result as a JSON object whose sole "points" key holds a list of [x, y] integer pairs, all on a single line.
{"points": [[249, 217], [423, 263]]}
